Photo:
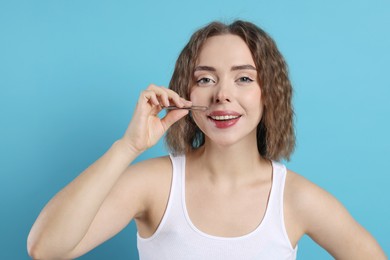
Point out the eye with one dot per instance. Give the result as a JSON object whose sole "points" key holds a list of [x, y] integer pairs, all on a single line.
{"points": [[205, 81], [245, 79]]}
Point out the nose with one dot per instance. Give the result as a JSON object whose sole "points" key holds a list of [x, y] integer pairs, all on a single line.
{"points": [[223, 94]]}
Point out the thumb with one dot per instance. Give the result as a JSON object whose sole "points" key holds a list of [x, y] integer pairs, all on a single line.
{"points": [[172, 117]]}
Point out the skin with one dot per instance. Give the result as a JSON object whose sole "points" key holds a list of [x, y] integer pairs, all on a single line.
{"points": [[225, 174]]}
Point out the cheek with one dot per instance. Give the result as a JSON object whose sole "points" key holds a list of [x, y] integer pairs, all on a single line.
{"points": [[255, 102], [254, 98], [193, 96], [198, 97], [197, 120]]}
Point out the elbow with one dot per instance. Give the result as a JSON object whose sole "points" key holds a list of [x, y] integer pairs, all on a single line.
{"points": [[34, 244], [38, 253], [40, 250], [34, 250], [34, 254]]}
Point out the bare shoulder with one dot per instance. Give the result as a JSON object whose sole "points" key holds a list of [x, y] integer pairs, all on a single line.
{"points": [[158, 167], [311, 210], [143, 182], [302, 193], [151, 174], [299, 195], [310, 204], [149, 184]]}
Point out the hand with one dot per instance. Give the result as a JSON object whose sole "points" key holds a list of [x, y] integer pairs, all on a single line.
{"points": [[146, 128]]}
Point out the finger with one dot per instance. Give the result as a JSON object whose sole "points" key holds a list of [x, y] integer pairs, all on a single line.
{"points": [[163, 97], [177, 100], [150, 96], [169, 97], [187, 103], [161, 93], [172, 117], [156, 110]]}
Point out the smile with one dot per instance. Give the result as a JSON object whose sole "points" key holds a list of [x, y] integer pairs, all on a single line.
{"points": [[224, 118]]}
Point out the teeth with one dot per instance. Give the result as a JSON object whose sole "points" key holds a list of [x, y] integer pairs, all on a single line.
{"points": [[228, 117]]}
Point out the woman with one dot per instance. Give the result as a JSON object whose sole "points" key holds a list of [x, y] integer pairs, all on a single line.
{"points": [[221, 194]]}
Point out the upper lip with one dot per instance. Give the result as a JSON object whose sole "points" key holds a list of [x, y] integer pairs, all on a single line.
{"points": [[223, 113]]}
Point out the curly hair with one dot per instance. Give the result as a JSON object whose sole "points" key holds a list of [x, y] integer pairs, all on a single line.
{"points": [[275, 131]]}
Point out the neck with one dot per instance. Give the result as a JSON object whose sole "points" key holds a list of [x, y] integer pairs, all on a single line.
{"points": [[232, 164]]}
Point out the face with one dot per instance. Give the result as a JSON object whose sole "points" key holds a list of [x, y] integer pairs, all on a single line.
{"points": [[226, 81]]}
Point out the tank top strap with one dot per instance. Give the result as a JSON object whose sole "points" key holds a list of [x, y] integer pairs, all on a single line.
{"points": [[176, 194], [178, 170], [278, 182], [275, 208]]}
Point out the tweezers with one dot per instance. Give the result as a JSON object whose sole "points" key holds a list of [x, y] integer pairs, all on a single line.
{"points": [[202, 108]]}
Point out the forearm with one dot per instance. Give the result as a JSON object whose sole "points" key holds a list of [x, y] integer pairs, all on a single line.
{"points": [[66, 218]]}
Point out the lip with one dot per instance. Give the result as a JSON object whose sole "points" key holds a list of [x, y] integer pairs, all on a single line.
{"points": [[223, 113], [224, 123]]}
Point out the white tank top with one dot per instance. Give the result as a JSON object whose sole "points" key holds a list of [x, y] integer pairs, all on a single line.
{"points": [[177, 238]]}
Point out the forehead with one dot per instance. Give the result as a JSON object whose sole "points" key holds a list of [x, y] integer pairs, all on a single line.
{"points": [[225, 49]]}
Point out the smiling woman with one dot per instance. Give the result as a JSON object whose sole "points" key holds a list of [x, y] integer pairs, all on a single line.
{"points": [[229, 86], [221, 193], [266, 67]]}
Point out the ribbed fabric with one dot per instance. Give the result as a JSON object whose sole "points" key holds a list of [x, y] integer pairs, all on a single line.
{"points": [[177, 238]]}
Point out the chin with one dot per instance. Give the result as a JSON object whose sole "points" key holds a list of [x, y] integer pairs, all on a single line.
{"points": [[224, 140]]}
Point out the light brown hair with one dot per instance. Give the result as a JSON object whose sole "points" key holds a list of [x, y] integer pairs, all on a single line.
{"points": [[275, 132]]}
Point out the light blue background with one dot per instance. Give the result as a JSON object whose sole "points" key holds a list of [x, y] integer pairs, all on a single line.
{"points": [[71, 72]]}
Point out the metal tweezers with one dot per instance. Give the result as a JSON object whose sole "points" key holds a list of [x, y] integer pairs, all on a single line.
{"points": [[202, 108]]}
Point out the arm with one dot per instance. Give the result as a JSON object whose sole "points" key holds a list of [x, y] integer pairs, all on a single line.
{"points": [[95, 205], [328, 223]]}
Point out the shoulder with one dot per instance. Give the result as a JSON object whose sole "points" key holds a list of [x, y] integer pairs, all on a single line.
{"points": [[308, 208], [301, 199], [312, 205], [299, 189], [155, 167], [145, 181], [313, 211], [307, 202], [150, 173]]}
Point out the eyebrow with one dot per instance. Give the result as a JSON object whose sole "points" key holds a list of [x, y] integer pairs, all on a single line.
{"points": [[206, 68], [239, 67], [243, 67]]}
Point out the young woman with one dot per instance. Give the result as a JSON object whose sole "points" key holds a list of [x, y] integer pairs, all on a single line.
{"points": [[221, 194]]}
